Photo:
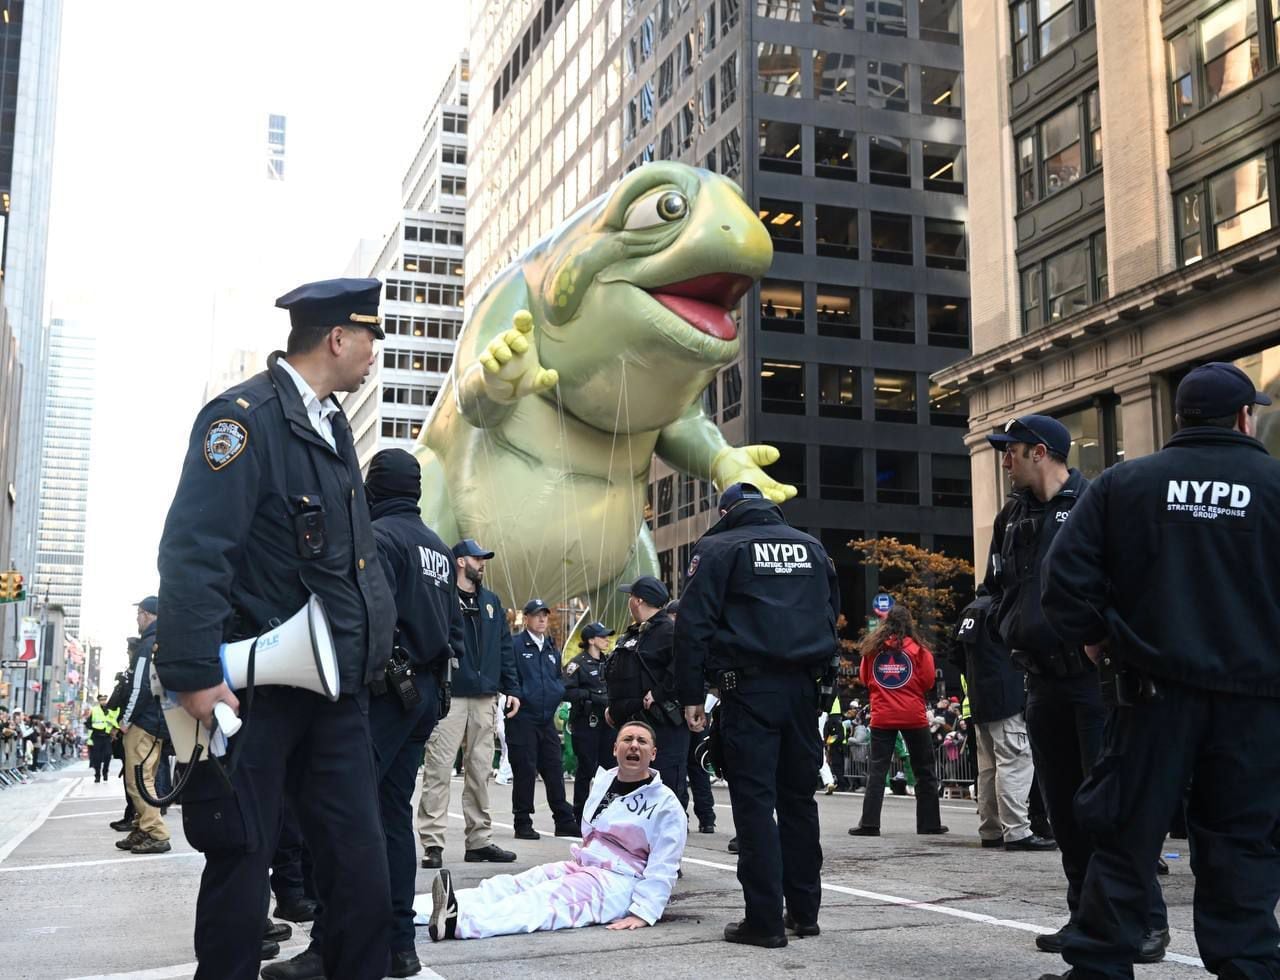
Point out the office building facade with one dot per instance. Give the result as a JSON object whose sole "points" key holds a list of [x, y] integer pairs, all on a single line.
{"points": [[844, 125], [64, 471], [421, 268], [1127, 225]]}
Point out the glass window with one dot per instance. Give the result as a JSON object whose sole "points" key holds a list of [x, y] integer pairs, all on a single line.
{"points": [[707, 27], [893, 316], [833, 76], [779, 9], [834, 13], [944, 246], [948, 406], [1024, 55], [708, 101], [837, 311], [889, 161], [666, 500], [782, 387], [780, 146], [941, 92], [887, 17], [1040, 27], [1093, 120], [895, 396], [1026, 170], [1190, 244], [891, 238], [729, 12], [784, 221], [1060, 143], [778, 69], [835, 153], [1240, 203], [943, 168], [731, 388], [839, 473], [731, 160], [781, 306], [887, 85], [1057, 23], [1263, 368], [1067, 279], [1032, 310], [729, 81], [897, 477], [839, 391], [666, 78], [952, 481], [1182, 68], [1229, 47], [947, 319], [1101, 285], [1087, 453], [940, 21], [836, 230]]}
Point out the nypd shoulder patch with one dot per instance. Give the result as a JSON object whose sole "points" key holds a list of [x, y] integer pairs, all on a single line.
{"points": [[693, 566], [571, 669], [224, 441]]}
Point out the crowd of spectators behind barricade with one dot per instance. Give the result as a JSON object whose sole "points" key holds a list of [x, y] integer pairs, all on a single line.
{"points": [[31, 744]]}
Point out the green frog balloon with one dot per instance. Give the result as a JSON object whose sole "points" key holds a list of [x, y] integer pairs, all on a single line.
{"points": [[583, 358]]}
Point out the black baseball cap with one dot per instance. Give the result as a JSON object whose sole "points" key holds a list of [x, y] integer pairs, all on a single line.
{"points": [[1215, 390], [649, 589], [535, 605], [735, 493], [1033, 430], [149, 605], [592, 630], [470, 548]]}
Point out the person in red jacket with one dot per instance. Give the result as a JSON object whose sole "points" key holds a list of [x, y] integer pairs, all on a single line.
{"points": [[898, 672]]}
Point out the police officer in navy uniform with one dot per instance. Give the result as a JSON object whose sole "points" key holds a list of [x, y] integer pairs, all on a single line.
{"points": [[1165, 574], [642, 680], [533, 744], [588, 697], [758, 621], [270, 510], [405, 704], [1065, 710]]}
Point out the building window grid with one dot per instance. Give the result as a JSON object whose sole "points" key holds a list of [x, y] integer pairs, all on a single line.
{"points": [[1065, 283], [1219, 53], [1040, 27], [1059, 150], [1227, 208]]}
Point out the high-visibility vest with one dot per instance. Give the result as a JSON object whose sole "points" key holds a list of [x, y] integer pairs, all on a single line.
{"points": [[104, 721], [964, 705]]}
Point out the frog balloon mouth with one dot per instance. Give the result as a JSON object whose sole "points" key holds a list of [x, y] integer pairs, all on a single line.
{"points": [[706, 302]]}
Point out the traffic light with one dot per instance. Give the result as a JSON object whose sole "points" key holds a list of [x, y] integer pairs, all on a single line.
{"points": [[11, 586]]}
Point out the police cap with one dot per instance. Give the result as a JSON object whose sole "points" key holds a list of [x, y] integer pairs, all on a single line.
{"points": [[333, 303], [535, 606], [149, 605], [1034, 430], [648, 589], [593, 630], [470, 548], [736, 493], [1215, 390]]}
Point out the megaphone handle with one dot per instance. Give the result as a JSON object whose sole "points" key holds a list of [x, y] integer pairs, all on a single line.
{"points": [[228, 722]]}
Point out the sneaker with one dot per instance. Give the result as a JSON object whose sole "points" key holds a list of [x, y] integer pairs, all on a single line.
{"points": [[151, 845], [490, 852], [740, 932], [135, 837], [444, 908], [433, 858]]}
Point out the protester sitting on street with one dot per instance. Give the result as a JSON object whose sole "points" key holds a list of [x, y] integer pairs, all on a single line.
{"points": [[633, 835], [898, 672]]}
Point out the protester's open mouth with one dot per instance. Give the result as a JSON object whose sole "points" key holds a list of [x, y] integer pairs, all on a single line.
{"points": [[706, 302]]}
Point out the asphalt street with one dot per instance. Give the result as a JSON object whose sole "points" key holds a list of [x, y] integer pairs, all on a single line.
{"points": [[897, 906]]}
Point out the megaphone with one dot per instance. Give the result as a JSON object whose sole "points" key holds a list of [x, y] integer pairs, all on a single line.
{"points": [[298, 653]]}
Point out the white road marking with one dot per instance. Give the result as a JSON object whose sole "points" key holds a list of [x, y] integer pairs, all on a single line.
{"points": [[88, 813], [187, 969], [35, 825], [137, 858], [980, 917]]}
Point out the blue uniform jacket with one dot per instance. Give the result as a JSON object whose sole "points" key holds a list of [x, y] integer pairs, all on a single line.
{"points": [[142, 708], [266, 514], [541, 681], [488, 666]]}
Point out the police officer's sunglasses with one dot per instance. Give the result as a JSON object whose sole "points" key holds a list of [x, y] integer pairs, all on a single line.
{"points": [[1008, 428]]}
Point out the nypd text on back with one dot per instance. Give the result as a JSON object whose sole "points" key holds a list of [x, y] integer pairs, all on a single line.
{"points": [[781, 558], [1209, 499]]}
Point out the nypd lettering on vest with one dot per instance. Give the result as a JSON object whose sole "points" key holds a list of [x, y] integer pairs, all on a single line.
{"points": [[436, 566], [1208, 499], [781, 558]]}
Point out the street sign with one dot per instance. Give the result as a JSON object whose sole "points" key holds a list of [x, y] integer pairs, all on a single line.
{"points": [[14, 664], [882, 603]]}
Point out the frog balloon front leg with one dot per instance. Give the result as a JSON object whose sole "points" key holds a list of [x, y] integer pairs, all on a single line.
{"points": [[506, 370]]}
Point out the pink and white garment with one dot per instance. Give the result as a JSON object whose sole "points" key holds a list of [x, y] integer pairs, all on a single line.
{"points": [[626, 864]]}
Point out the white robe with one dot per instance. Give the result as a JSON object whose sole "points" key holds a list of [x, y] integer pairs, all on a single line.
{"points": [[626, 864]]}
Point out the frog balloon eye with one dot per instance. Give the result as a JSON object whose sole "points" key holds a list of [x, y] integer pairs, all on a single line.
{"points": [[657, 209]]}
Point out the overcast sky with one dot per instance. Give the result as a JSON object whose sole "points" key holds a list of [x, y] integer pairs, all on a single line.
{"points": [[167, 238]]}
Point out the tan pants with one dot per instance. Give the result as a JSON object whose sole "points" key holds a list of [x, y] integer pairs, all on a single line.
{"points": [[144, 748], [470, 718], [1004, 779]]}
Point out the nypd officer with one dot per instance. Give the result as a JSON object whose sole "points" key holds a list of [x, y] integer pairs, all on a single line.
{"points": [[1065, 710], [406, 703], [642, 680], [588, 696], [758, 620], [532, 740], [270, 510], [1166, 575]]}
